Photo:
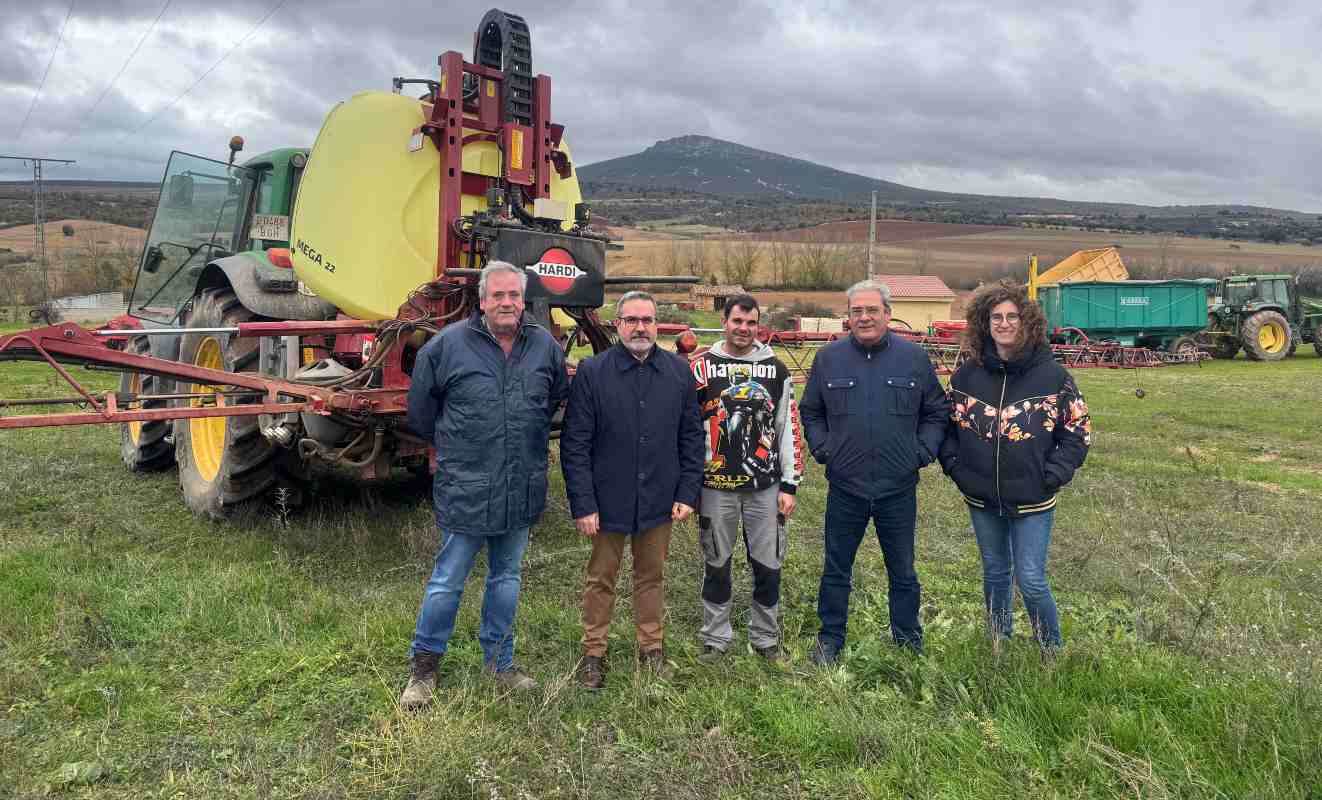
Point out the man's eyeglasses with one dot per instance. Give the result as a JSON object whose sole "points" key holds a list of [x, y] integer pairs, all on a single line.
{"points": [[634, 322], [1005, 319], [865, 311]]}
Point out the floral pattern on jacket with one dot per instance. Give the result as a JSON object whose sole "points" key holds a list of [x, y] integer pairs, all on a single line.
{"points": [[1024, 419]]}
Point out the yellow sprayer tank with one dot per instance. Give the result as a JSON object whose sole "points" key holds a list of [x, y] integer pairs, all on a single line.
{"points": [[365, 224], [1099, 264]]}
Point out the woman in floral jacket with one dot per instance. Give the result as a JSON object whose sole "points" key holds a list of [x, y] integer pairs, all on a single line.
{"points": [[1019, 428]]}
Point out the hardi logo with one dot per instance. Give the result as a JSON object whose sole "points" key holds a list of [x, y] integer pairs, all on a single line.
{"points": [[557, 270]]}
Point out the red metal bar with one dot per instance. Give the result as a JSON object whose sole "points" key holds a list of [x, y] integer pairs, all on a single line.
{"points": [[445, 127], [541, 141], [73, 343], [148, 415]]}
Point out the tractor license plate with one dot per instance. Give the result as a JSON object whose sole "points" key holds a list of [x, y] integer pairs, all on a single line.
{"points": [[270, 227]]}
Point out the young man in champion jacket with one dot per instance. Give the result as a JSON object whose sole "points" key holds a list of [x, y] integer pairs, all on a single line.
{"points": [[874, 414], [752, 469]]}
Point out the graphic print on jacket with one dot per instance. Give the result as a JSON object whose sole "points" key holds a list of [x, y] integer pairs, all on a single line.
{"points": [[1018, 432], [750, 421]]}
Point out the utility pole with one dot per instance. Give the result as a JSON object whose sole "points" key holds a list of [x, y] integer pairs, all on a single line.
{"points": [[39, 214], [872, 238]]}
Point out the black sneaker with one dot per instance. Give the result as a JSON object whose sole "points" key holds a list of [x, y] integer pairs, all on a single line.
{"points": [[772, 654], [710, 654]]}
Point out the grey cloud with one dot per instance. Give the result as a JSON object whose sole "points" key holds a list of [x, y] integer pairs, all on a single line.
{"points": [[1075, 95]]}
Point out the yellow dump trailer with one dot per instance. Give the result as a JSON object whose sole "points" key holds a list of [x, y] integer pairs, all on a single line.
{"points": [[1098, 264]]}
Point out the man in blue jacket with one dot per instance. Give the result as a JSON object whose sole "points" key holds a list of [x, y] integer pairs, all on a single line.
{"points": [[484, 390], [631, 450], [874, 414]]}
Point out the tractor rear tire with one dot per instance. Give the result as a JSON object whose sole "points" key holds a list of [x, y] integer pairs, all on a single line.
{"points": [[1266, 336], [224, 462], [1317, 341], [145, 446]]}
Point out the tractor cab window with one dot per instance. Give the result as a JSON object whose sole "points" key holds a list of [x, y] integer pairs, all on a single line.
{"points": [[1239, 294], [198, 218]]}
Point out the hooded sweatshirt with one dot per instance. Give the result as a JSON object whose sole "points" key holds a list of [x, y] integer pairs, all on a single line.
{"points": [[749, 419]]}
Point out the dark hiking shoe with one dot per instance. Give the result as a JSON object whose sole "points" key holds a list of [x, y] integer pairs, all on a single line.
{"points": [[591, 673], [711, 655], [654, 661], [422, 682], [772, 654], [513, 678], [824, 655]]}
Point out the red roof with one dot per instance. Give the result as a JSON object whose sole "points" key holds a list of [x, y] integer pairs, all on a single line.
{"points": [[916, 287]]}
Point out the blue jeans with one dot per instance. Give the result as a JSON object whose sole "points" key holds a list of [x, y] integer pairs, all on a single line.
{"points": [[1019, 545], [440, 601], [847, 519]]}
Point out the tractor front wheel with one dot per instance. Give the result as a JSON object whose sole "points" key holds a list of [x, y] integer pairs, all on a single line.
{"points": [[1266, 336], [145, 446], [225, 462]]}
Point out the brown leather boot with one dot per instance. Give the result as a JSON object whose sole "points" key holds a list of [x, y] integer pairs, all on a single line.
{"points": [[422, 681], [591, 673], [654, 661]]}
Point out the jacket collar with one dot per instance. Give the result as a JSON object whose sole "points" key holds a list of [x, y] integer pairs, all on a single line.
{"points": [[625, 361], [882, 343], [477, 323], [1022, 361]]}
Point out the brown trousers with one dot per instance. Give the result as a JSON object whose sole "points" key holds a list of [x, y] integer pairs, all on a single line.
{"points": [[649, 558]]}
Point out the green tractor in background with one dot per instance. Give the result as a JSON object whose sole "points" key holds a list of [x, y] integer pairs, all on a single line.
{"points": [[1264, 315]]}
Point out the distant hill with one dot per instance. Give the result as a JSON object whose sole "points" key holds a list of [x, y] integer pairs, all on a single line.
{"points": [[701, 164], [714, 166]]}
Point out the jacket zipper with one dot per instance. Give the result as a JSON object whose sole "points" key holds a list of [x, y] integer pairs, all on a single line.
{"points": [[1005, 378]]}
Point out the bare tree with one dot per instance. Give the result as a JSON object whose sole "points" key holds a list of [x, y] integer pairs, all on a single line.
{"points": [[922, 258], [783, 257], [739, 260], [697, 259], [821, 263]]}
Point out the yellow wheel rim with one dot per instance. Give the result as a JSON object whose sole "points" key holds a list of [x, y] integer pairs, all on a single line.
{"points": [[135, 428], [207, 435], [1271, 337]]}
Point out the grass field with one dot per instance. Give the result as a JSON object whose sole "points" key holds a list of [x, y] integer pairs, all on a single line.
{"points": [[147, 654]]}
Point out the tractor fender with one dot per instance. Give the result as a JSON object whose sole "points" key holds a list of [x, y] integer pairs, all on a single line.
{"points": [[246, 273]]}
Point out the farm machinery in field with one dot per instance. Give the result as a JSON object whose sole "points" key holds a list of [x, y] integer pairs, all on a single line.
{"points": [[280, 302], [1264, 316]]}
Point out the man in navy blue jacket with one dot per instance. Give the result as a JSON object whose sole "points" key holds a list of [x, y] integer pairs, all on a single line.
{"points": [[483, 392], [874, 414], [631, 450]]}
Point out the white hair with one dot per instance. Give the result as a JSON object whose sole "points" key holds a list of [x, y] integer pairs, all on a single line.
{"points": [[870, 285], [492, 268], [636, 294]]}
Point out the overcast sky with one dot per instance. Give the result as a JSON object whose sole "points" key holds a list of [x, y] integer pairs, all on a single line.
{"points": [[1118, 100]]}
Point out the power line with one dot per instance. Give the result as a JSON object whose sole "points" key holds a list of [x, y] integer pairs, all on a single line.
{"points": [[210, 69], [42, 85], [113, 80], [39, 212]]}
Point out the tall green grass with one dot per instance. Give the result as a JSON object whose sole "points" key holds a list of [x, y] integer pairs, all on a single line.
{"points": [[263, 657]]}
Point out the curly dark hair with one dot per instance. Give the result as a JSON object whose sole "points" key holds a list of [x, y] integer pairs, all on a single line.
{"points": [[1032, 322]]}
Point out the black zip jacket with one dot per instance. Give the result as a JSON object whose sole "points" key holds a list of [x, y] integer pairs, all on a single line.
{"points": [[873, 415], [1018, 430]]}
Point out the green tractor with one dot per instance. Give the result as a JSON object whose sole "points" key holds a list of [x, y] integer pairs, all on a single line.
{"points": [[1264, 315]]}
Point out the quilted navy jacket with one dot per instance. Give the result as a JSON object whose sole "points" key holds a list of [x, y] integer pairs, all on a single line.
{"points": [[873, 415], [489, 417]]}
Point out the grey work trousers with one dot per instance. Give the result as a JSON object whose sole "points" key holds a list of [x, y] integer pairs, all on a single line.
{"points": [[764, 541]]}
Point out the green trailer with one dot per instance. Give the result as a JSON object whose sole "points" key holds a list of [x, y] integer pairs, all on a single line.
{"points": [[1156, 314]]}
